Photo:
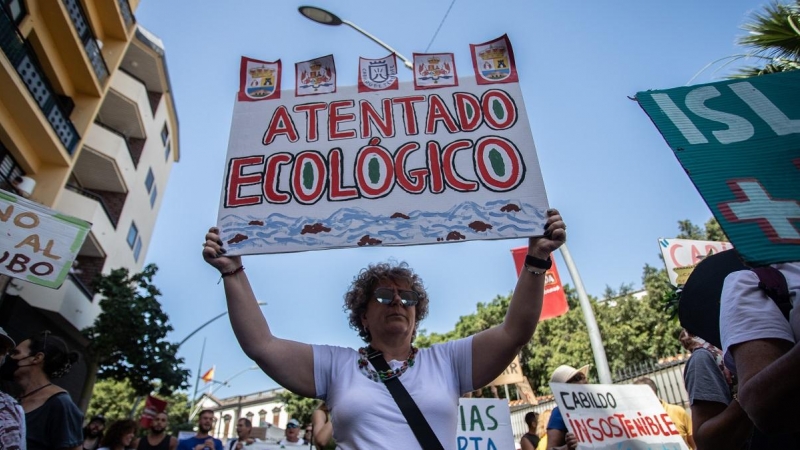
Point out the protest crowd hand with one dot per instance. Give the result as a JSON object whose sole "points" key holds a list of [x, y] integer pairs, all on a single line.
{"points": [[555, 234], [572, 441], [214, 253]]}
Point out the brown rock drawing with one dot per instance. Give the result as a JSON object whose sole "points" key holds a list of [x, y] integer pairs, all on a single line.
{"points": [[510, 208], [399, 215], [455, 236], [366, 240], [314, 229], [256, 222], [236, 239], [480, 226]]}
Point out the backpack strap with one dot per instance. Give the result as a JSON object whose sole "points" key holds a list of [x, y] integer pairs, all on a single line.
{"points": [[773, 283]]}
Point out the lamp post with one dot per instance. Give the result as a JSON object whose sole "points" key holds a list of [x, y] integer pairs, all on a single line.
{"points": [[325, 17], [600, 360], [202, 352]]}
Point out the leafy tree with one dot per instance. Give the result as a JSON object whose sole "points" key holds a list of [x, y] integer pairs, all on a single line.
{"points": [[128, 339], [633, 329], [114, 399], [773, 35], [298, 407]]}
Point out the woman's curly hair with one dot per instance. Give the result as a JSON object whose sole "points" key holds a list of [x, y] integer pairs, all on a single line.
{"points": [[114, 434], [363, 286]]}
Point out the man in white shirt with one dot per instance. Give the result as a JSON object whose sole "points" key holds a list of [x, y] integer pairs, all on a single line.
{"points": [[292, 438]]}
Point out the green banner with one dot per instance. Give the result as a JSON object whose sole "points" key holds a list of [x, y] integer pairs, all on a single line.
{"points": [[739, 142]]}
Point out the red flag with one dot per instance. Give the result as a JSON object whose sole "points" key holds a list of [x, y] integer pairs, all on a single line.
{"points": [[208, 376], [152, 407], [555, 302]]}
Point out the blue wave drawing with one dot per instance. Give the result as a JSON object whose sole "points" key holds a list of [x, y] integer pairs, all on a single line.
{"points": [[350, 226]]}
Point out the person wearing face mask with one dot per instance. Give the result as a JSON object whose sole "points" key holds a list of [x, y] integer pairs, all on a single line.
{"points": [[52, 420], [12, 417]]}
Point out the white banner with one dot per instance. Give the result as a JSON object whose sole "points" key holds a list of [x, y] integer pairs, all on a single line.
{"points": [[394, 167], [484, 424], [37, 244], [682, 255], [613, 417]]}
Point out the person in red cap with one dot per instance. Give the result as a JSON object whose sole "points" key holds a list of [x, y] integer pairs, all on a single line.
{"points": [[558, 437]]}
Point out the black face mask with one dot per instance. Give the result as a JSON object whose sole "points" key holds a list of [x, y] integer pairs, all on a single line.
{"points": [[9, 367]]}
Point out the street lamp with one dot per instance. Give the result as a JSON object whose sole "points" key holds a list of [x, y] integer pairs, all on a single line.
{"points": [[324, 17], [200, 367]]}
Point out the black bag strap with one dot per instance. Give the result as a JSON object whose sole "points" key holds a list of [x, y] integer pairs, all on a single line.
{"points": [[422, 430], [773, 283]]}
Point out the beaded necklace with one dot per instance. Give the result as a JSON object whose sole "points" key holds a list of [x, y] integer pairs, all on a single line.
{"points": [[378, 376]]}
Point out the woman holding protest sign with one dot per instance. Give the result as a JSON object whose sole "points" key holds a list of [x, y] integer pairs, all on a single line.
{"points": [[386, 303]]}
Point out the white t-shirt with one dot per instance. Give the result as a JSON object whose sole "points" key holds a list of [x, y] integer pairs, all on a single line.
{"points": [[747, 314], [364, 413]]}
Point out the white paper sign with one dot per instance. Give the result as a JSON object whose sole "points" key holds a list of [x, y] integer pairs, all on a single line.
{"points": [[616, 417], [37, 244], [484, 424], [395, 167], [682, 255]]}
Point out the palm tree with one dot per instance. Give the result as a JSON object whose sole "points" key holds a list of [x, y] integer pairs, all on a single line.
{"points": [[773, 36]]}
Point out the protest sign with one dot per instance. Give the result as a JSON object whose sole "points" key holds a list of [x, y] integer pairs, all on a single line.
{"points": [[739, 142], [37, 244], [618, 417], [555, 301], [512, 374], [484, 424], [152, 407], [682, 255], [437, 160]]}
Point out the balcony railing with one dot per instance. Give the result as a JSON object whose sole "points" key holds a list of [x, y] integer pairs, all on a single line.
{"points": [[99, 199], [24, 60], [127, 14], [15, 9], [88, 40]]}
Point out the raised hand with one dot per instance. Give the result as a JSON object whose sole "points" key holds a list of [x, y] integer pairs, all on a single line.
{"points": [[555, 234], [214, 253]]}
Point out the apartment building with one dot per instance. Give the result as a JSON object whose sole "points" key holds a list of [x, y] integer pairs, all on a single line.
{"points": [[87, 116]]}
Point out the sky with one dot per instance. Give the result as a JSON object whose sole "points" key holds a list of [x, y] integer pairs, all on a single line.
{"points": [[604, 164]]}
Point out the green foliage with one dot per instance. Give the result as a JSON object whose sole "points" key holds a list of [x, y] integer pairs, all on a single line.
{"points": [[773, 35], [299, 407], [633, 330], [128, 339], [114, 400]]}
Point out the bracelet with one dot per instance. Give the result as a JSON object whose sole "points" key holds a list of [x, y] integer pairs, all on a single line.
{"points": [[232, 272]]}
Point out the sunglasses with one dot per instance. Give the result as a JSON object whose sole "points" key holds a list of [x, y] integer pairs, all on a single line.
{"points": [[385, 296]]}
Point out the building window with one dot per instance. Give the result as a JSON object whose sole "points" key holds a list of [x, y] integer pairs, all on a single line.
{"points": [[249, 416], [148, 182], [133, 233], [137, 249], [164, 134], [276, 416], [262, 418], [9, 170], [153, 196], [166, 152]]}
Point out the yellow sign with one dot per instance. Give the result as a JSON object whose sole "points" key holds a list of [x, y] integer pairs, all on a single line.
{"points": [[512, 374]]}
